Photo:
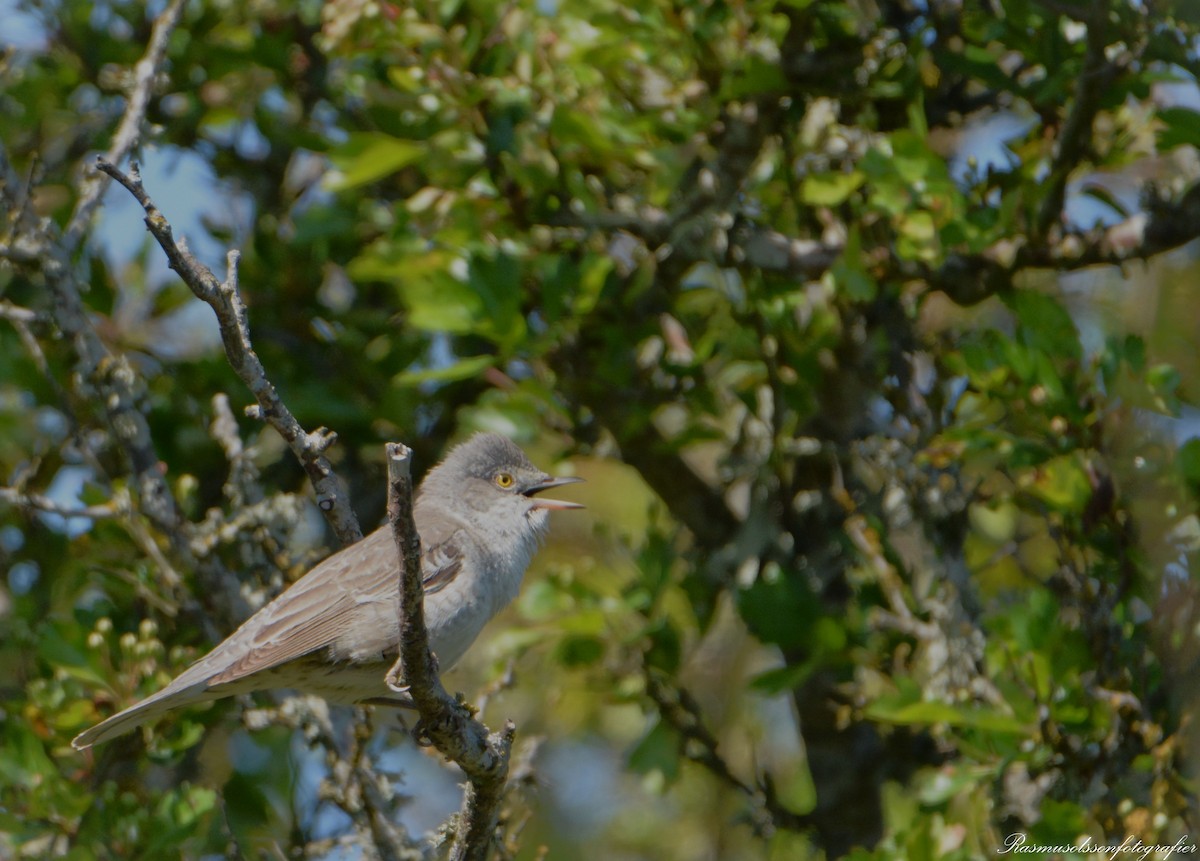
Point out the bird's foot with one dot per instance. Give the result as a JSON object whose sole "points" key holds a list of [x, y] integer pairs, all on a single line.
{"points": [[395, 678]]}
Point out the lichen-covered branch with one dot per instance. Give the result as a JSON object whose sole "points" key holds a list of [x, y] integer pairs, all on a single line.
{"points": [[46, 505], [224, 297], [17, 314], [446, 722], [35, 246]]}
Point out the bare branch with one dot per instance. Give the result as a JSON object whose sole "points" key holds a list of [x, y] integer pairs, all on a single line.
{"points": [[23, 320], [352, 782], [968, 279], [224, 428], [226, 301], [748, 244], [38, 502], [129, 131], [17, 314], [447, 723], [682, 713], [773, 251], [38, 246], [1076, 135]]}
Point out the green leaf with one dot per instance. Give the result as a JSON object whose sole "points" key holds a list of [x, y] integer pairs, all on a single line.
{"points": [[25, 761], [755, 77], [779, 610], [579, 650], [781, 679], [997, 521], [592, 278], [1061, 823], [657, 751], [665, 651], [850, 275], [442, 303], [56, 650], [1103, 195], [1135, 352], [369, 156], [918, 236], [902, 710], [1044, 324], [935, 788], [830, 189], [542, 600], [247, 806], [913, 160], [1164, 380], [1187, 461], [462, 369], [496, 279], [1180, 126], [1062, 483]]}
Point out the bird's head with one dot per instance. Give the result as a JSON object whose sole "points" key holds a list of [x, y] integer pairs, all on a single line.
{"points": [[489, 477]]}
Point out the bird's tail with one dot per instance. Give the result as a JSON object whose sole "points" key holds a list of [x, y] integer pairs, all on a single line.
{"points": [[168, 698]]}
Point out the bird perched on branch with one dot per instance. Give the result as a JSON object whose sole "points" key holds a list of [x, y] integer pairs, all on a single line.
{"points": [[335, 632]]}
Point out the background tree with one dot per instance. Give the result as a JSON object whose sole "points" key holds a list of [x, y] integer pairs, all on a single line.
{"points": [[864, 321]]}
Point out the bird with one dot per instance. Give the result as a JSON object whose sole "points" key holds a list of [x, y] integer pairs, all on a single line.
{"points": [[335, 631]]}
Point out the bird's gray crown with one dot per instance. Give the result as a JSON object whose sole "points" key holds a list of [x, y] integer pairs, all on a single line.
{"points": [[483, 455]]}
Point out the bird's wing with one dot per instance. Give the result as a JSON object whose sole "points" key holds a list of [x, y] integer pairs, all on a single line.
{"points": [[317, 610], [441, 563]]}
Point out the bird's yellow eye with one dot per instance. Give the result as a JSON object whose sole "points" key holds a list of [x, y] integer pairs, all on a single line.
{"points": [[504, 479]]}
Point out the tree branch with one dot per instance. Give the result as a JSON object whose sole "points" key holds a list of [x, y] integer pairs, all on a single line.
{"points": [[17, 314], [130, 129], [447, 722], [682, 713], [37, 502], [225, 298], [35, 245], [1076, 137]]}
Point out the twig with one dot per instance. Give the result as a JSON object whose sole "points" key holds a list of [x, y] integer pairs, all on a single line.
{"points": [[21, 322], [129, 130], [522, 776], [17, 314], [148, 592], [869, 544], [447, 723], [682, 713], [507, 679], [169, 579], [225, 298], [38, 502], [352, 783], [748, 244], [241, 486], [36, 245], [387, 835], [224, 428], [1076, 136]]}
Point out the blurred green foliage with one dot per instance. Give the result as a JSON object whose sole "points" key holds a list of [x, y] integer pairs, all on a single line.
{"points": [[890, 538]]}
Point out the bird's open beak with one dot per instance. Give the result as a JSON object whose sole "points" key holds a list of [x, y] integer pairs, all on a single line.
{"points": [[547, 484]]}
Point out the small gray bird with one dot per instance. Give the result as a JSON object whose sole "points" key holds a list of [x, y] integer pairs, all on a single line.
{"points": [[335, 632]]}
